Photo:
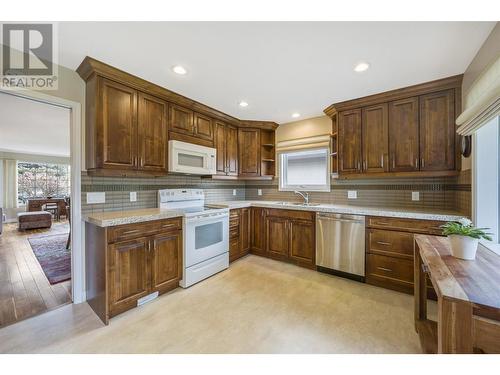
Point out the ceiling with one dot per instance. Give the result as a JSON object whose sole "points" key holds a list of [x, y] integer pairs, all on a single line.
{"points": [[32, 127], [278, 68]]}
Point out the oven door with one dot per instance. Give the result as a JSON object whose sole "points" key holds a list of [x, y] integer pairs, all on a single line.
{"points": [[205, 238]]}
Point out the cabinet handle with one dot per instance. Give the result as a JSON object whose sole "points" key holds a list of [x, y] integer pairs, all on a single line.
{"points": [[364, 164], [416, 162], [382, 160], [393, 162], [425, 269], [384, 243], [130, 231], [359, 166], [381, 223], [384, 269], [422, 163]]}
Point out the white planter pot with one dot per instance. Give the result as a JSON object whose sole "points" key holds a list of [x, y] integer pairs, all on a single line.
{"points": [[463, 247]]}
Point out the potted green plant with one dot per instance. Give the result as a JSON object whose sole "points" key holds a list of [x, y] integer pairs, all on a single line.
{"points": [[464, 238]]}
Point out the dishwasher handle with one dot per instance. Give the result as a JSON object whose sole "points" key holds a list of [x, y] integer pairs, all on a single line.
{"points": [[360, 220]]}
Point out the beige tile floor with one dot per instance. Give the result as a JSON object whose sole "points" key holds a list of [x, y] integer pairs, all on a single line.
{"points": [[256, 306]]}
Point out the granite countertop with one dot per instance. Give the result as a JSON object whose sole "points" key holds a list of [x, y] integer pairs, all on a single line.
{"points": [[440, 215], [113, 218]]}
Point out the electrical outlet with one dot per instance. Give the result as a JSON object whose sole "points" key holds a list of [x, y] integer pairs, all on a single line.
{"points": [[95, 198], [234, 191], [133, 196], [352, 194], [259, 191], [415, 195]]}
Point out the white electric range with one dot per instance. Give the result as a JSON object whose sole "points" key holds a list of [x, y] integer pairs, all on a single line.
{"points": [[206, 233]]}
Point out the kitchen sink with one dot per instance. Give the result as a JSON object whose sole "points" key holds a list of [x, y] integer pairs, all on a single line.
{"points": [[297, 204]]}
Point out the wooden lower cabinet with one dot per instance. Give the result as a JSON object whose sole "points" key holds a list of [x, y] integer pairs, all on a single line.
{"points": [[239, 233], [128, 262], [257, 231], [389, 251], [291, 236]]}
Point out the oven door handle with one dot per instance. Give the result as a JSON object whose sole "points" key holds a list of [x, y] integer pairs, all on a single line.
{"points": [[208, 219]]}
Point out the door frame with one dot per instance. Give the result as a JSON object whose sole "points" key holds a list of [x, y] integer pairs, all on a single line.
{"points": [[78, 294]]}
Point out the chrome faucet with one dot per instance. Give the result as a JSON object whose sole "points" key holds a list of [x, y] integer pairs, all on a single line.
{"points": [[304, 195]]}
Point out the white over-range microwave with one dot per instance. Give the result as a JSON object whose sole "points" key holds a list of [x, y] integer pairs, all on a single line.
{"points": [[190, 158]]}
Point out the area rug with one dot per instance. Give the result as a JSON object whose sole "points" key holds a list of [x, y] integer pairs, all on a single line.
{"points": [[53, 256]]}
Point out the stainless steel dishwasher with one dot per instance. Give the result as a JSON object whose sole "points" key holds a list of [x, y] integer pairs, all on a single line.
{"points": [[340, 244]]}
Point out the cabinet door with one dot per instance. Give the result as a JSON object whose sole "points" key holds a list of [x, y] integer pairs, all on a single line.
{"points": [[181, 120], [220, 145], [128, 273], [277, 237], [350, 141], [152, 133], [232, 150], [166, 261], [249, 151], [119, 126], [244, 230], [258, 239], [375, 139], [437, 131], [203, 127], [303, 242], [403, 135]]}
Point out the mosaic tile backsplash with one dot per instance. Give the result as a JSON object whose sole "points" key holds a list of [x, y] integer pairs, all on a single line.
{"points": [[450, 194]]}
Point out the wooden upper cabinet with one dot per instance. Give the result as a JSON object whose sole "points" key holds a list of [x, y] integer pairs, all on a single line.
{"points": [[226, 143], [203, 127], [375, 138], [128, 275], [249, 151], [350, 141], [220, 146], [152, 133], [181, 120], [437, 131], [166, 261], [232, 150], [118, 130], [403, 135]]}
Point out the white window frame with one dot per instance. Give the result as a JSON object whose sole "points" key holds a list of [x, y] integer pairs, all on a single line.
{"points": [[282, 173], [493, 246]]}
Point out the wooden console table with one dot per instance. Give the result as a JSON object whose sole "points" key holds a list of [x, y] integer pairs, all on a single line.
{"points": [[468, 294]]}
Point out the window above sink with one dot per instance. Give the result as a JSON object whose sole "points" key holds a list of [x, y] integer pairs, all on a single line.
{"points": [[305, 170]]}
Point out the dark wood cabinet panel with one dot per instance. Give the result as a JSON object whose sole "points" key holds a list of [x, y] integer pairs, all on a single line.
{"points": [[375, 138], [350, 141], [118, 140], [152, 133], [220, 146], [232, 150], [303, 242], [128, 274], [258, 234], [277, 237], [203, 127], [437, 131], [166, 261], [249, 151], [245, 230], [390, 243], [181, 120], [226, 143], [403, 135], [389, 272]]}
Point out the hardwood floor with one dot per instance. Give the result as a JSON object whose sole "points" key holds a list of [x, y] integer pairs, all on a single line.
{"points": [[24, 289]]}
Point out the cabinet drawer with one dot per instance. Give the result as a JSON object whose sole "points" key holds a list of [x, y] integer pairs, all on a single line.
{"points": [[389, 268], [411, 225], [291, 214], [385, 242], [131, 231], [234, 232], [171, 224]]}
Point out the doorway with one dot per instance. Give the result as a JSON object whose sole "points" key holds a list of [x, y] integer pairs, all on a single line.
{"points": [[37, 188]]}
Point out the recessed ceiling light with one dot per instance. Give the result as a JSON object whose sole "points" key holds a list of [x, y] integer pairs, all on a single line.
{"points": [[179, 69], [243, 104], [295, 115], [361, 67]]}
